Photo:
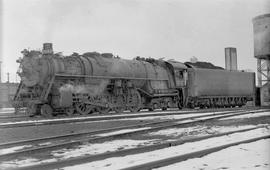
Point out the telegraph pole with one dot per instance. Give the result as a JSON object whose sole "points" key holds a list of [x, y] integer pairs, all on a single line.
{"points": [[8, 77]]}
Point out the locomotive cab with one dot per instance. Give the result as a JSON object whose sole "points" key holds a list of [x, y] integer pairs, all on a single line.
{"points": [[180, 73]]}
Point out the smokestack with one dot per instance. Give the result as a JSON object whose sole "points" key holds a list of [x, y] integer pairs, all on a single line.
{"points": [[231, 59], [47, 48]]}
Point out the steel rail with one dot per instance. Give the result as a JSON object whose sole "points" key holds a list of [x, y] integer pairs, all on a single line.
{"points": [[99, 118], [7, 116], [111, 137], [13, 117]]}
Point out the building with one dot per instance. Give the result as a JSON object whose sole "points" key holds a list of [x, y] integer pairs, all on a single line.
{"points": [[7, 91]]}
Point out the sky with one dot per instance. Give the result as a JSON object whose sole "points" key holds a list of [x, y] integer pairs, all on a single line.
{"points": [[173, 29]]}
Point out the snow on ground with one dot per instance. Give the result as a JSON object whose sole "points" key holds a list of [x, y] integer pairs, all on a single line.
{"points": [[80, 151], [249, 115], [23, 163], [245, 115], [101, 148], [122, 131], [253, 155], [13, 149], [7, 109], [45, 143], [202, 130], [132, 160], [177, 116]]}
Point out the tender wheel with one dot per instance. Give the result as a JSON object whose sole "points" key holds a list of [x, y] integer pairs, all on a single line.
{"points": [[83, 109], [46, 110]]}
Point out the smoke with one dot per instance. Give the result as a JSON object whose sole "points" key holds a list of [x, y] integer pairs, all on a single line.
{"points": [[91, 89]]}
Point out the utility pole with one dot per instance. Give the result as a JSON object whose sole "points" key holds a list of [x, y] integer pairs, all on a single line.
{"points": [[8, 77]]}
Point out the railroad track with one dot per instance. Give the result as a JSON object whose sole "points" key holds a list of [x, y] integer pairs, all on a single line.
{"points": [[104, 118], [196, 154], [69, 144], [73, 135], [2, 117], [39, 117], [154, 164]]}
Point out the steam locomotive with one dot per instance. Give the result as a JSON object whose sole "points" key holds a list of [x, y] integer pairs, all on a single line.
{"points": [[53, 84]]}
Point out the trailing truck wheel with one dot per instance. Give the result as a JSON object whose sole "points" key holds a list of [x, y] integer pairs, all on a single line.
{"points": [[83, 109], [46, 110]]}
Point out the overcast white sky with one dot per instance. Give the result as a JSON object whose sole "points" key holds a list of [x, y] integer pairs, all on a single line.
{"points": [[174, 29]]}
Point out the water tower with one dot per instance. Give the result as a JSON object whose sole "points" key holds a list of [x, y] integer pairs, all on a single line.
{"points": [[261, 28]]}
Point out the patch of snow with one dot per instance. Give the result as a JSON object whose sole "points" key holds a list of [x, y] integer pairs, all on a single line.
{"points": [[122, 131], [248, 115], [173, 131], [13, 149], [6, 108], [45, 143], [15, 163], [136, 159], [101, 148], [178, 132], [24, 163], [204, 118], [253, 155], [180, 116]]}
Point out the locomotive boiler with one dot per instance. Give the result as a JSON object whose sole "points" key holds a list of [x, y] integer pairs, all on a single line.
{"points": [[53, 84]]}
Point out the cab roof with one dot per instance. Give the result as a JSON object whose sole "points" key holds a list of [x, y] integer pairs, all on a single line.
{"points": [[177, 65]]}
